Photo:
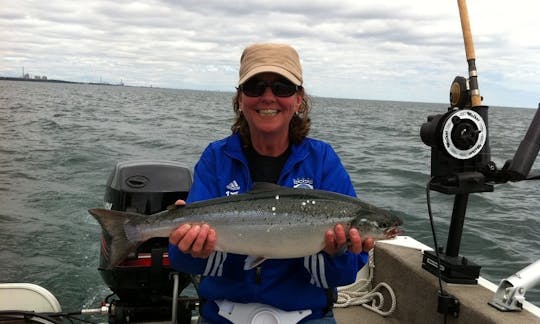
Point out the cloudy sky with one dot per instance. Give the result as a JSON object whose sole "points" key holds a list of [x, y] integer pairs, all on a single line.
{"points": [[367, 49]]}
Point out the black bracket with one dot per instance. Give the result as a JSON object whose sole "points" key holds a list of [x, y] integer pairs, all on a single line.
{"points": [[448, 304], [457, 270]]}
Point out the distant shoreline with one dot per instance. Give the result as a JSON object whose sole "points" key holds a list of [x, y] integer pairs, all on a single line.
{"points": [[57, 81]]}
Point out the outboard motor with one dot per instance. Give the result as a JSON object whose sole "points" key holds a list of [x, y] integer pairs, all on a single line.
{"points": [[144, 281]]}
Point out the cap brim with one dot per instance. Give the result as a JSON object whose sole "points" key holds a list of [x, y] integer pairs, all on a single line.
{"points": [[270, 68]]}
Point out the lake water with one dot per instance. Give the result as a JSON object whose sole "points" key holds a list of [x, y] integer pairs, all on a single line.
{"points": [[59, 142]]}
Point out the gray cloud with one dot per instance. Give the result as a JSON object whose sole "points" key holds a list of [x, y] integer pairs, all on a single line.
{"points": [[392, 50]]}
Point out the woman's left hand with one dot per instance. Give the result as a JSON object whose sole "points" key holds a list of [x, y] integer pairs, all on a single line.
{"points": [[336, 241]]}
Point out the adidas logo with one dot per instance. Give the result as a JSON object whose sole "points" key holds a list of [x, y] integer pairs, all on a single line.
{"points": [[233, 188]]}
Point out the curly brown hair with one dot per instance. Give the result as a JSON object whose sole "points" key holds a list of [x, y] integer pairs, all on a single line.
{"points": [[298, 127]]}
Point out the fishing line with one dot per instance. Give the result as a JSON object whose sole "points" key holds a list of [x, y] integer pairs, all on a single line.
{"points": [[443, 296], [54, 318], [10, 316], [428, 200]]}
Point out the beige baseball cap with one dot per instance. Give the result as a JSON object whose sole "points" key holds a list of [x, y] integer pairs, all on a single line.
{"points": [[278, 58]]}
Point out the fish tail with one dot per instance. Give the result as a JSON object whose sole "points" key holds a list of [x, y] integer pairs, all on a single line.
{"points": [[124, 236]]}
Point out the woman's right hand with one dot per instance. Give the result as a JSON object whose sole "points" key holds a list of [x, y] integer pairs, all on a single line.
{"points": [[198, 240]]}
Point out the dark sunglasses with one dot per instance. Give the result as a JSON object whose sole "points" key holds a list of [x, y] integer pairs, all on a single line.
{"points": [[280, 88]]}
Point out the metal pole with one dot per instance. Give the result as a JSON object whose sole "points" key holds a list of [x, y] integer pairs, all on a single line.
{"points": [[456, 225], [174, 315]]}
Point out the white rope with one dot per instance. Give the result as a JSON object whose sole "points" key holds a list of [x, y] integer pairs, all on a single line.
{"points": [[358, 293]]}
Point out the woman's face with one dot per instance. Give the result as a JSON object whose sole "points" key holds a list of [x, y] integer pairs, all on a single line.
{"points": [[269, 114]]}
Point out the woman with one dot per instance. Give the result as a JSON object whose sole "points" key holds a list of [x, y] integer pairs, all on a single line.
{"points": [[268, 143]]}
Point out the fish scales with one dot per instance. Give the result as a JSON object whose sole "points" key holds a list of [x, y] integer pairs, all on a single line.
{"points": [[269, 222]]}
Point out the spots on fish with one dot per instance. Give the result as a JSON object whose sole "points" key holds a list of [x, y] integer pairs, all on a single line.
{"points": [[307, 202], [277, 197], [365, 221], [274, 208]]}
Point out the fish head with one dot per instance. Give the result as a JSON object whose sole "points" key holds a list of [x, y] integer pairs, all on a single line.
{"points": [[380, 224]]}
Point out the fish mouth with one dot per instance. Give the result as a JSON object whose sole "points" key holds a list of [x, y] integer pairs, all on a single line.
{"points": [[392, 232]]}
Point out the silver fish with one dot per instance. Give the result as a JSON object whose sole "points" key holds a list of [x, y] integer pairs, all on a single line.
{"points": [[269, 221]]}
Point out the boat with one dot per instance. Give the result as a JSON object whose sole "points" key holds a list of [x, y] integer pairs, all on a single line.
{"points": [[145, 289], [405, 281]]}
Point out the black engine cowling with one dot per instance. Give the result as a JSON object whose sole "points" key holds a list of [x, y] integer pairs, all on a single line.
{"points": [[144, 279]]}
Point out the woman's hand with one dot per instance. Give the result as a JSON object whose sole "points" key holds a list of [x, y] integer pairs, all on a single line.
{"points": [[199, 240], [336, 241]]}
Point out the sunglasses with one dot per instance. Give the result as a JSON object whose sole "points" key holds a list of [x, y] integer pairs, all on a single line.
{"points": [[280, 88]]}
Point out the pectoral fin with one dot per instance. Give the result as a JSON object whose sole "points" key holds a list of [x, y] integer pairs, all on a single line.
{"points": [[253, 261]]}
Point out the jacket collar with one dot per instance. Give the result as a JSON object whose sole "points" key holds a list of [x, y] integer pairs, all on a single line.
{"points": [[233, 148]]}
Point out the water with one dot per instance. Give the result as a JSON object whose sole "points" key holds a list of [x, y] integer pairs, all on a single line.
{"points": [[59, 142]]}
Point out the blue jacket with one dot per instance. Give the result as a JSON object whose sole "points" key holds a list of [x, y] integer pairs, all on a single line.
{"points": [[288, 284]]}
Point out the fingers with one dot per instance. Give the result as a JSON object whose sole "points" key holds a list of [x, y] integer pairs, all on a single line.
{"points": [[204, 243], [200, 238], [189, 238], [339, 232], [336, 241], [179, 233], [356, 241], [197, 240], [329, 242], [357, 244], [368, 244], [180, 202], [210, 244]]}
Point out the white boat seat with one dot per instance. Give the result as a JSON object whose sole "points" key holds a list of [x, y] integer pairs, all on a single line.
{"points": [[27, 297]]}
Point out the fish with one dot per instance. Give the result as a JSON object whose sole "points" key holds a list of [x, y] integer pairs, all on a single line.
{"points": [[267, 222]]}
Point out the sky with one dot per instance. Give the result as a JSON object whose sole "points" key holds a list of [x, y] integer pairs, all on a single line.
{"points": [[361, 49]]}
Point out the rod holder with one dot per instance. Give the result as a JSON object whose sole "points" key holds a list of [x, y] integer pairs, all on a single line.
{"points": [[511, 292]]}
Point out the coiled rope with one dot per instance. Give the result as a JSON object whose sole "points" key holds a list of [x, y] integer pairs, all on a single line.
{"points": [[358, 293]]}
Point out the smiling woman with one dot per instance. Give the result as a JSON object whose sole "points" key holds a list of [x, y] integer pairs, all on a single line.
{"points": [[267, 113], [269, 144], [270, 85]]}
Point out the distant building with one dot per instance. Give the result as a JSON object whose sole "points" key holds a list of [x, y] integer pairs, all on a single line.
{"points": [[36, 77]]}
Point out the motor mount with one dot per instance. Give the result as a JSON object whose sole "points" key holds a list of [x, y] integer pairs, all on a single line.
{"points": [[144, 281]]}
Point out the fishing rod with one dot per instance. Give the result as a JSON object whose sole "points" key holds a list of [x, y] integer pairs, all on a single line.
{"points": [[475, 98], [461, 160], [460, 152]]}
